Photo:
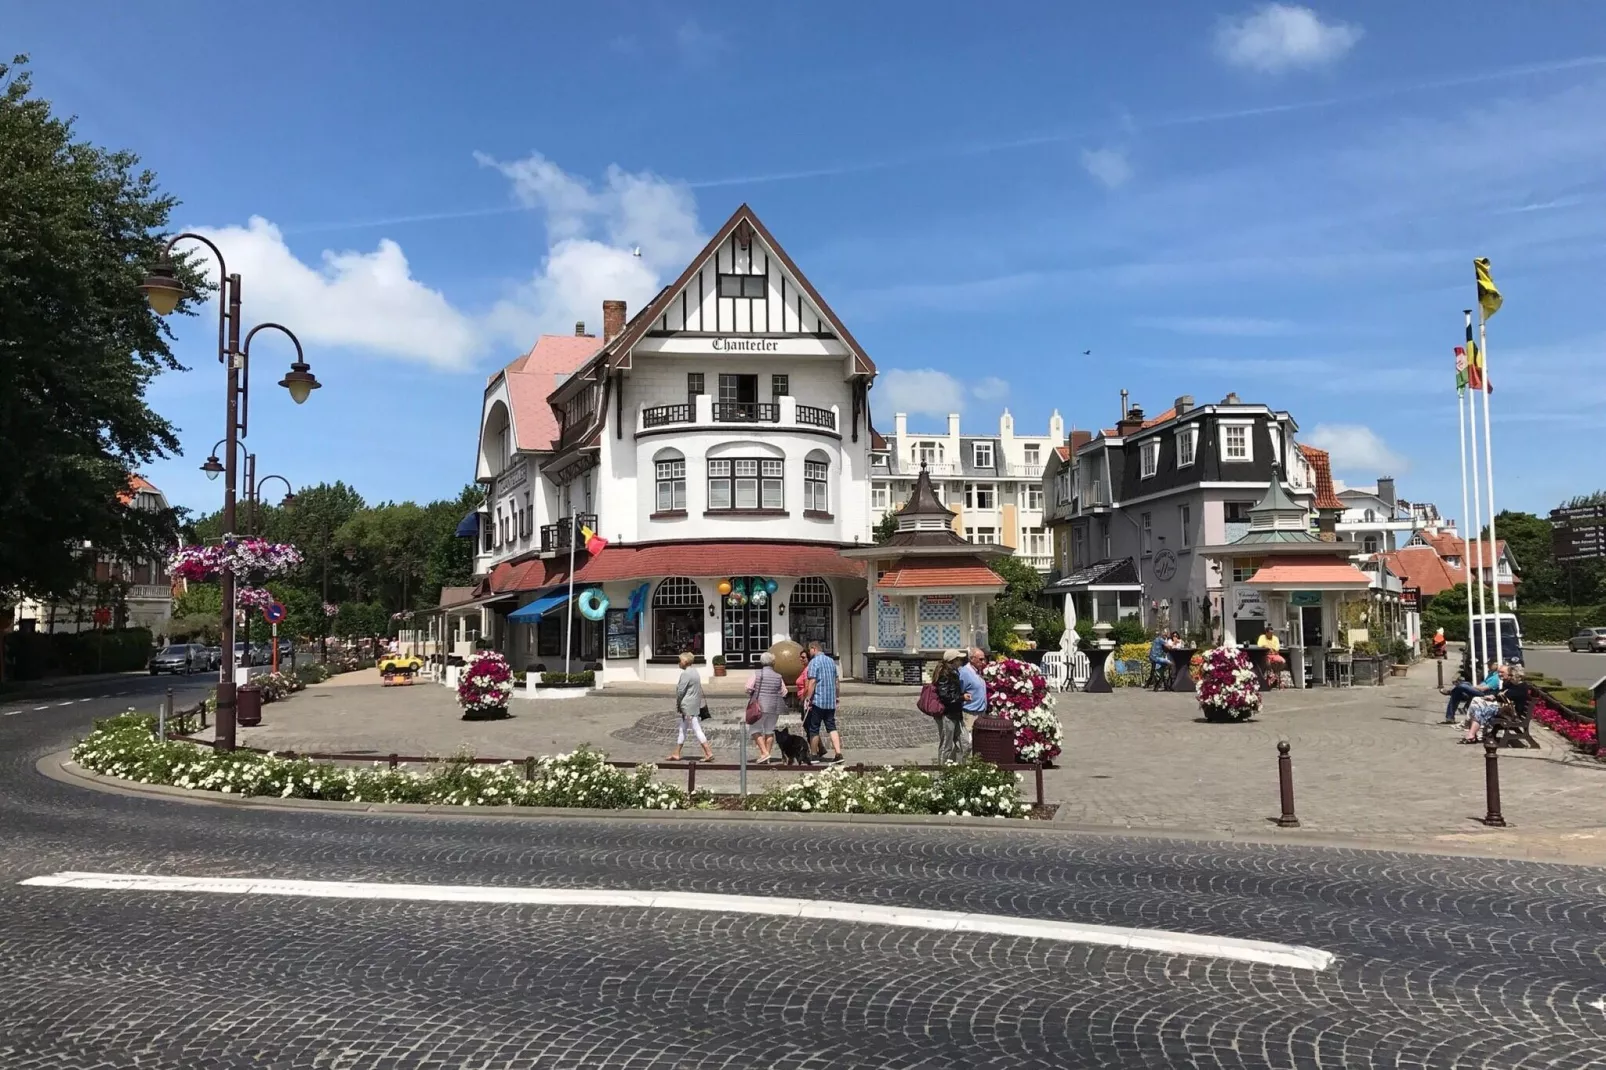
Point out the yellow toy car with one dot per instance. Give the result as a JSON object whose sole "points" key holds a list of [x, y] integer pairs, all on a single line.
{"points": [[400, 663]]}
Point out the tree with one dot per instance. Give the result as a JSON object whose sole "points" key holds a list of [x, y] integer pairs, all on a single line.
{"points": [[79, 226], [885, 529], [1018, 604]]}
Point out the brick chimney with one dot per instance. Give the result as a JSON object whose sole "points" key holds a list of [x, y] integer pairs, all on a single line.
{"points": [[579, 328], [613, 320], [1130, 423]]}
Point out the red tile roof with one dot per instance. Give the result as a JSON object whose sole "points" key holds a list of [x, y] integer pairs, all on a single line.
{"points": [[1152, 421], [1062, 452], [1322, 463], [1311, 571], [136, 483], [1420, 567], [878, 441], [533, 376], [940, 572], [699, 560]]}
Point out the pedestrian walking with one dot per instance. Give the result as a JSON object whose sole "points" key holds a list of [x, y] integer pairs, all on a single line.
{"points": [[975, 687], [691, 707], [819, 702], [767, 689], [951, 693]]}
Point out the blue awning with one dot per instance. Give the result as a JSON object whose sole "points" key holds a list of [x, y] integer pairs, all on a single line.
{"points": [[469, 526], [534, 611]]}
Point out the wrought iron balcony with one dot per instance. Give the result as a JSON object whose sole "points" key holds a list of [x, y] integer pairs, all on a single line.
{"points": [[660, 415], [557, 537], [814, 416], [747, 412]]}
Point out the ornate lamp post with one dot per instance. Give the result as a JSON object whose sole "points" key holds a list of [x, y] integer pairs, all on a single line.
{"points": [[164, 291]]}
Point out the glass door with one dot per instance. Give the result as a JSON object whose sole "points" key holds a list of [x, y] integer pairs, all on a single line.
{"points": [[746, 625]]}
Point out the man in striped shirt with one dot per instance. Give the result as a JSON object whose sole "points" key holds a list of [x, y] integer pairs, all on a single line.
{"points": [[819, 702]]}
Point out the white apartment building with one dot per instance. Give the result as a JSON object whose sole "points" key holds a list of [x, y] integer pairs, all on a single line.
{"points": [[993, 483], [721, 435]]}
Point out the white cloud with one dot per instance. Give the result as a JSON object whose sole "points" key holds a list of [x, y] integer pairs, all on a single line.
{"points": [[1279, 37], [918, 391], [1357, 448], [991, 388], [361, 300], [1109, 166]]}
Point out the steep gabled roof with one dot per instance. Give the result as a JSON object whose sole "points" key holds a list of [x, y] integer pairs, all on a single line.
{"points": [[1321, 462], [532, 377]]}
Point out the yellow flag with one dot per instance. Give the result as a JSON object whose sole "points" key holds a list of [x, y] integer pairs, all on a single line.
{"points": [[1489, 298]]}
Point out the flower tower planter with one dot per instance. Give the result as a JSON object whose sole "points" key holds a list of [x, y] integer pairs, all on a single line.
{"points": [[1228, 690], [484, 687], [1018, 692]]}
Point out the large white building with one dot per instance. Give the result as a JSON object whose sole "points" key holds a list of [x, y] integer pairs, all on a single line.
{"points": [[721, 434], [992, 483]]}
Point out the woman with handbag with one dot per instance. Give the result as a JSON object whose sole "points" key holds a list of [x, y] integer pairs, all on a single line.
{"points": [[944, 700], [766, 695], [689, 704]]}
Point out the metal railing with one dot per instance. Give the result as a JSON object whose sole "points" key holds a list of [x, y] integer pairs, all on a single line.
{"points": [[748, 412], [555, 537], [1028, 471], [813, 416], [659, 415]]}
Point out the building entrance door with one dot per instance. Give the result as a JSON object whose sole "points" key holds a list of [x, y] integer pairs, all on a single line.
{"points": [[747, 626]]}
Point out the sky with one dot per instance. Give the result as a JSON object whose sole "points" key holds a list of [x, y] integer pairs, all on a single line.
{"points": [[1030, 206]]}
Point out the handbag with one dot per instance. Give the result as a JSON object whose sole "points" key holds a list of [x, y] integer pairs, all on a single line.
{"points": [[755, 712], [703, 714], [928, 703]]}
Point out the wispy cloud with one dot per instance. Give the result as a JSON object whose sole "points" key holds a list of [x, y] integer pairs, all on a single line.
{"points": [[1110, 167], [1356, 448], [919, 392], [991, 388], [1281, 37]]}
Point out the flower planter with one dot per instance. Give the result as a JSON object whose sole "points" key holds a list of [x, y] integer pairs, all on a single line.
{"points": [[485, 713], [719, 670], [1398, 670]]}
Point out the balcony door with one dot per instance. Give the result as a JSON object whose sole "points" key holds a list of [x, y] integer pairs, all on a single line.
{"points": [[738, 397]]}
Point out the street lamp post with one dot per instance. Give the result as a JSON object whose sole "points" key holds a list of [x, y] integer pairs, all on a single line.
{"points": [[164, 291]]}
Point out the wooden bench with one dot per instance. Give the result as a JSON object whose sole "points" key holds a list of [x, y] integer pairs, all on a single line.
{"points": [[1509, 728]]}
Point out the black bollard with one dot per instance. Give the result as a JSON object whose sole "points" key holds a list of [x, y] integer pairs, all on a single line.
{"points": [[1440, 666], [1491, 785], [1285, 787]]}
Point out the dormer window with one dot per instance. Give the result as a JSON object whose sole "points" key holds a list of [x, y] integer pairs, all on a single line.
{"points": [[1187, 446], [1235, 443], [928, 452], [1150, 454], [982, 455], [1031, 454]]}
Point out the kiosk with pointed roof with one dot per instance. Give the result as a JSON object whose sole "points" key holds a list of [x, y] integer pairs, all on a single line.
{"points": [[1281, 573], [929, 590]]}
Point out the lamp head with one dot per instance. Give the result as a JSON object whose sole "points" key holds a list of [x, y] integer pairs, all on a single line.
{"points": [[213, 467], [289, 500], [300, 381], [162, 288]]}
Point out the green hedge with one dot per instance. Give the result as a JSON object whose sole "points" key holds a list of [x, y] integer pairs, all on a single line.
{"points": [[35, 655], [571, 679], [1547, 624]]}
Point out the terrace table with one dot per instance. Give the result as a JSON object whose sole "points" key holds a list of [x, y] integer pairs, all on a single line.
{"points": [[1181, 663]]}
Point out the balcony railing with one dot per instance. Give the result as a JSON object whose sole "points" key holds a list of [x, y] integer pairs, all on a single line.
{"points": [[747, 412], [557, 537], [1041, 562], [149, 592], [1028, 471], [813, 416], [659, 415]]}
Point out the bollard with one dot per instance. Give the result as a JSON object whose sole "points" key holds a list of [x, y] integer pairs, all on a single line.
{"points": [[691, 778], [1285, 787], [1491, 785], [164, 716], [1039, 785], [1439, 664], [393, 761], [529, 768]]}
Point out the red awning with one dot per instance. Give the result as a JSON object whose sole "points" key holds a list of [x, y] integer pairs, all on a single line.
{"points": [[702, 560], [1309, 573]]}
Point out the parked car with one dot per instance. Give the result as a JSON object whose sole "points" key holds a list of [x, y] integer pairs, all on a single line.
{"points": [[1588, 641], [286, 649], [242, 656], [176, 658], [214, 658], [403, 663]]}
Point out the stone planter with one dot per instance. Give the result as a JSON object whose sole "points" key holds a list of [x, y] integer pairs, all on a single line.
{"points": [[1398, 670]]}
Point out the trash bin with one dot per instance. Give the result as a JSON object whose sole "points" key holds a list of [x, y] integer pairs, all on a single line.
{"points": [[248, 705], [993, 739]]}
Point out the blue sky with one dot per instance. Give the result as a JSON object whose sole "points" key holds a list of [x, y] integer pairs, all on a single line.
{"points": [[1270, 199]]}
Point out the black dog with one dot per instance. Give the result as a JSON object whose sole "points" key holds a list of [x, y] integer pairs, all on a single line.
{"points": [[795, 749]]}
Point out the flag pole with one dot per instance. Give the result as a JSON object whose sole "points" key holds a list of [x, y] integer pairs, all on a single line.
{"points": [[1466, 511], [1470, 540], [568, 627], [1491, 563]]}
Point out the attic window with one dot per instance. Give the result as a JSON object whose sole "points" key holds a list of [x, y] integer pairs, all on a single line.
{"points": [[742, 285]]}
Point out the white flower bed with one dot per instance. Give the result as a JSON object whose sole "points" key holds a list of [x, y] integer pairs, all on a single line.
{"points": [[973, 788]]}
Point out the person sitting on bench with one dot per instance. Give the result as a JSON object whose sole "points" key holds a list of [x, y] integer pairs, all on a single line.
{"points": [[1484, 706], [1465, 692]]}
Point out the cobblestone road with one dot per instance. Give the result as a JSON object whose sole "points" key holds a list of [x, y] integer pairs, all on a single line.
{"points": [[1440, 962]]}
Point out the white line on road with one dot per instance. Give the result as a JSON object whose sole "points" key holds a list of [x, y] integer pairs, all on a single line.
{"points": [[38, 708], [1174, 943]]}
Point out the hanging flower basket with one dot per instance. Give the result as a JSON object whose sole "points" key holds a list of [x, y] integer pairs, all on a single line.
{"points": [[1018, 692], [330, 609], [249, 558], [1227, 690], [254, 597], [485, 687]]}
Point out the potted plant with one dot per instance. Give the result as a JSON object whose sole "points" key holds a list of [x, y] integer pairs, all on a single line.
{"points": [[1227, 688], [1017, 692], [719, 664], [484, 687]]}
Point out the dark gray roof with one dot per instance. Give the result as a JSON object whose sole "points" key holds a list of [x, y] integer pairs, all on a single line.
{"points": [[1122, 573]]}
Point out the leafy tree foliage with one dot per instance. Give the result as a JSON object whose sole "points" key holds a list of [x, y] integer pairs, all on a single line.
{"points": [[1018, 603], [79, 226]]}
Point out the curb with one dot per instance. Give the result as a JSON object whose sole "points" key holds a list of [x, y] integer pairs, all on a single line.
{"points": [[60, 768]]}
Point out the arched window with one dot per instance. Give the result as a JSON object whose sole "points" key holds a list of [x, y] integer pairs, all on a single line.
{"points": [[810, 612], [496, 440], [677, 617], [669, 474], [816, 483], [1369, 544], [1371, 516]]}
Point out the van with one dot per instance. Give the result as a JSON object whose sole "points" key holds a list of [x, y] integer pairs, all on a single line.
{"points": [[1485, 627]]}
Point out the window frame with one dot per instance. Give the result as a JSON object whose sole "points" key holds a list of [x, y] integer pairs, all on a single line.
{"points": [[728, 475], [741, 280], [676, 604], [1185, 525], [972, 534], [1248, 429], [816, 486], [977, 449], [1031, 453], [669, 480], [1149, 459], [973, 496], [1190, 436], [696, 385], [1146, 533], [928, 451], [780, 385], [884, 491], [1035, 498]]}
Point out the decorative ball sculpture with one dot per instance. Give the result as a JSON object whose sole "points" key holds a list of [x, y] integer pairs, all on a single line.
{"points": [[760, 597], [788, 660], [771, 586], [724, 586]]}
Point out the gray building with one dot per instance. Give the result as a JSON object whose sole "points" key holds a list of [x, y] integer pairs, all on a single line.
{"points": [[1150, 491]]}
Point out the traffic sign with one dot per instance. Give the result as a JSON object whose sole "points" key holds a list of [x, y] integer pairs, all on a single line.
{"points": [[273, 612]]}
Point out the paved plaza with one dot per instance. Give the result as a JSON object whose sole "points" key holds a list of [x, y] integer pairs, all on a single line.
{"points": [[1368, 761]]}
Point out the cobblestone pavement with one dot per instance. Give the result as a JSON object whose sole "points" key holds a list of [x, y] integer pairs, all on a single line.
{"points": [[1441, 962], [1368, 761]]}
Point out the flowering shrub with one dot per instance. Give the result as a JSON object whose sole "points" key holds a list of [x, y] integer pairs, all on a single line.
{"points": [[1130, 666], [127, 747], [1196, 667], [277, 685], [253, 597], [973, 788], [1227, 688], [248, 556], [1018, 692], [1581, 733], [485, 686], [330, 609]]}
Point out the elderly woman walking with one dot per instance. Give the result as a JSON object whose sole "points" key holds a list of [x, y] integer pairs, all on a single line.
{"points": [[951, 693], [689, 703], [767, 689]]}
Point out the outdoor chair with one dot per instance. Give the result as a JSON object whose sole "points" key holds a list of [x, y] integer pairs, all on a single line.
{"points": [[1340, 670], [1081, 670], [1056, 670]]}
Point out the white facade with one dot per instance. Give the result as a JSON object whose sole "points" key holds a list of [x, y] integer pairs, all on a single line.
{"points": [[994, 483]]}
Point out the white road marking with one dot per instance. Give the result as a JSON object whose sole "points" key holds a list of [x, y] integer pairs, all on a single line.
{"points": [[37, 708], [69, 702], [1174, 943], [1600, 1005]]}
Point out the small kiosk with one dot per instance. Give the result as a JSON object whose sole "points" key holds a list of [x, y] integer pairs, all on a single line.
{"points": [[929, 590]]}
